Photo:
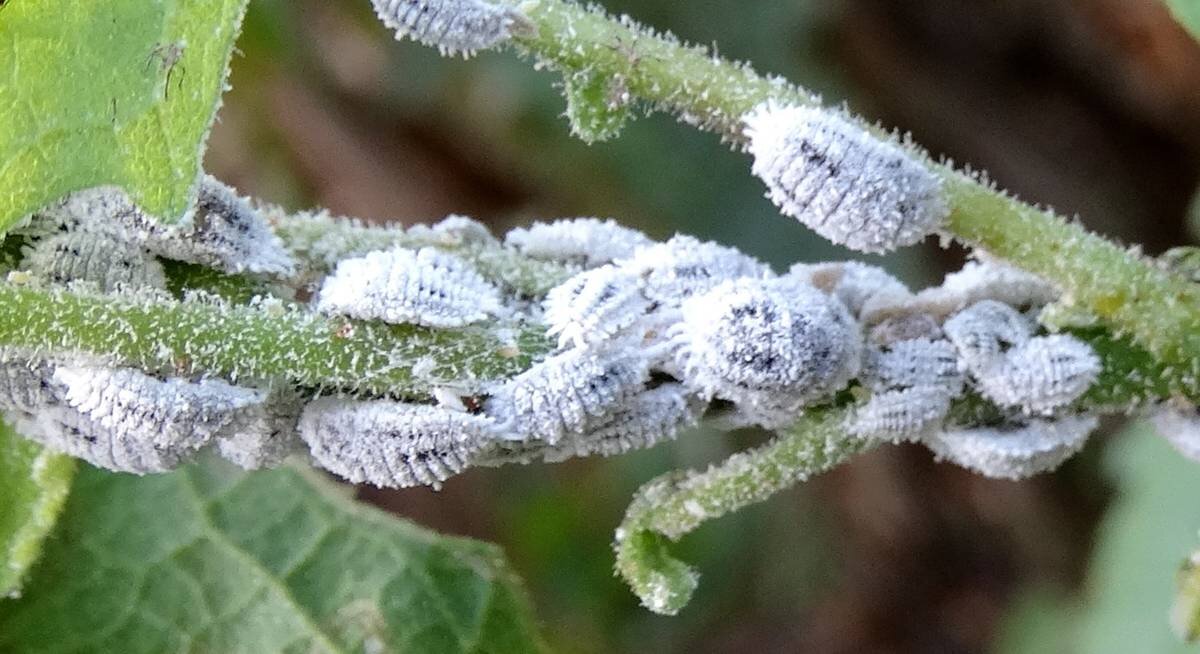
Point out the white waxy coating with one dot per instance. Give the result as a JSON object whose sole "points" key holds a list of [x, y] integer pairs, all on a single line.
{"points": [[80, 256], [858, 285], [901, 415], [768, 351], [1017, 451], [28, 386], [916, 362], [392, 444], [594, 306], [985, 331], [1041, 375], [851, 187], [1180, 425], [427, 287], [455, 230], [684, 266], [265, 435], [648, 418], [564, 393], [453, 26], [589, 242]]}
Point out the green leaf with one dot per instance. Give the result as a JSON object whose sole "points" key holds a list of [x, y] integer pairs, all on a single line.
{"points": [[115, 92], [1187, 12], [208, 559], [1150, 529], [33, 487]]}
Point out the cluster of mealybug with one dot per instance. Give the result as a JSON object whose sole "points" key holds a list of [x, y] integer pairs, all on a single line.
{"points": [[453, 26], [588, 242], [913, 382], [821, 167], [428, 287], [1017, 449]]}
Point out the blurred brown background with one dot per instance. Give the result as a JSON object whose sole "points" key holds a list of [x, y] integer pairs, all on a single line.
{"points": [[1091, 106]]}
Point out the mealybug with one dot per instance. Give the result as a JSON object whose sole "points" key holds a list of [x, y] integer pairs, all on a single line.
{"points": [[428, 287], [120, 449], [994, 280], [455, 230], [901, 415], [265, 435], [562, 394], [849, 186], [651, 417], [685, 266], [916, 362], [392, 444], [594, 305], [1014, 451], [1042, 374], [985, 331], [27, 386], [453, 26], [589, 242], [80, 256], [769, 352], [858, 285]]}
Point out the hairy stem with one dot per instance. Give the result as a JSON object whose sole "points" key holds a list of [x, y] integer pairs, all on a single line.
{"points": [[675, 504], [1160, 313]]}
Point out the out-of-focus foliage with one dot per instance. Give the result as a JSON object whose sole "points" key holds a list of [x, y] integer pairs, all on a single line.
{"points": [[33, 486], [1187, 12]]}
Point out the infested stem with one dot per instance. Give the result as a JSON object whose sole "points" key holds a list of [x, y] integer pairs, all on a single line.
{"points": [[677, 503]]}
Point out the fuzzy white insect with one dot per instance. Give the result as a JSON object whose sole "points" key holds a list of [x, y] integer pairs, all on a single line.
{"points": [[1041, 375], [453, 26], [905, 328], [823, 168], [455, 230], [221, 230], [1015, 451], [1180, 425], [66, 430], [265, 435], [428, 287], [981, 280], [594, 306], [685, 266], [564, 393], [767, 351], [80, 256], [858, 285], [28, 386], [901, 415], [913, 363], [985, 331], [392, 444], [651, 417], [589, 242], [173, 415]]}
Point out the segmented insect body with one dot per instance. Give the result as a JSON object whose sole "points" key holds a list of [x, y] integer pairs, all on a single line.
{"points": [[984, 331], [427, 287], [994, 280], [455, 230], [264, 436], [589, 242], [1180, 425], [905, 328], [767, 351], [684, 266], [28, 386], [392, 444], [453, 26], [850, 187], [1042, 374], [562, 394], [111, 264], [901, 415], [173, 415], [648, 418], [1014, 451], [857, 285], [913, 363], [72, 432], [594, 306]]}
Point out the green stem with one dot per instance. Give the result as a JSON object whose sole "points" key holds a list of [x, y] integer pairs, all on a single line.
{"points": [[1161, 313], [675, 504], [258, 345]]}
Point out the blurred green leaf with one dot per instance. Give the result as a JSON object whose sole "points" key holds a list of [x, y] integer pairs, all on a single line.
{"points": [[1148, 531], [33, 487], [116, 92], [1187, 12], [208, 559]]}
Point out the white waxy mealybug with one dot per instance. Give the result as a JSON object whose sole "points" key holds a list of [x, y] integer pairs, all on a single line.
{"points": [[428, 287], [853, 188], [265, 435], [67, 430], [1180, 425], [651, 417], [589, 242], [562, 394], [985, 331], [80, 256], [594, 306], [684, 266], [905, 328], [901, 415], [769, 352], [173, 414], [28, 386], [916, 362], [1043, 374], [1014, 451], [455, 230], [858, 285], [986, 280], [453, 26], [392, 444]]}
